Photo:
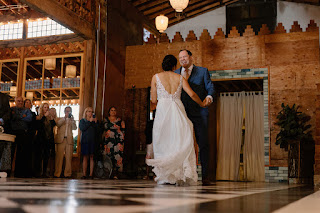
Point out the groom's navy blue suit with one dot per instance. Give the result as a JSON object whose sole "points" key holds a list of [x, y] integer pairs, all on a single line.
{"points": [[202, 85]]}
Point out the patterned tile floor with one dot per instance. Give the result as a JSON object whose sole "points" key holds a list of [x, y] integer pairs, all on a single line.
{"points": [[94, 196]]}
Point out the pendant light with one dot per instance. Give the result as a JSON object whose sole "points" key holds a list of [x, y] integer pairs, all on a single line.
{"points": [[162, 23], [179, 5]]}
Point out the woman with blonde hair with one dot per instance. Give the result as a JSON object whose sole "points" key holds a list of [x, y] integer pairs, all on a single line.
{"points": [[89, 130], [44, 140]]}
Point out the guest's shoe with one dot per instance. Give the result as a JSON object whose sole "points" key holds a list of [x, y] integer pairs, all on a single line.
{"points": [[84, 177], [90, 177], [68, 177]]}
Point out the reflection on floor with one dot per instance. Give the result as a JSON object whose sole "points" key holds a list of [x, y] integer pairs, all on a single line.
{"points": [[93, 196]]}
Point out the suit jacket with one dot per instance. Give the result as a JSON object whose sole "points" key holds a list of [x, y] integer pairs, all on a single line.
{"points": [[61, 124], [201, 84]]}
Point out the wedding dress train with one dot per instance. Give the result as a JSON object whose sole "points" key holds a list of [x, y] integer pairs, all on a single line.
{"points": [[174, 159]]}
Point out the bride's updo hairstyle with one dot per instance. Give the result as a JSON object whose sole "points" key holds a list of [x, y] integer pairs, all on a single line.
{"points": [[169, 62]]}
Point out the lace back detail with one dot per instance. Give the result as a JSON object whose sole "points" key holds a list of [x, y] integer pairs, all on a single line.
{"points": [[162, 92]]}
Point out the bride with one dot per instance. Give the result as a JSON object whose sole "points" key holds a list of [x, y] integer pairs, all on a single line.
{"points": [[174, 158]]}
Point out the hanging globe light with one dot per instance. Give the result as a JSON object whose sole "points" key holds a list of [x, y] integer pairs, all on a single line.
{"points": [[162, 23], [179, 5]]}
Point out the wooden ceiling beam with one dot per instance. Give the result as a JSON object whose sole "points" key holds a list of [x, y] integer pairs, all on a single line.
{"points": [[152, 4], [175, 20], [259, 86], [246, 85], [235, 86], [35, 69], [12, 71], [75, 92], [41, 41], [63, 16], [136, 3], [168, 10], [30, 14], [160, 9], [7, 76], [67, 95], [53, 93], [224, 85], [6, 4]]}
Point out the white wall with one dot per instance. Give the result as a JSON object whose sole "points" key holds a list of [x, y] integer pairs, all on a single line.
{"points": [[211, 21], [288, 12]]}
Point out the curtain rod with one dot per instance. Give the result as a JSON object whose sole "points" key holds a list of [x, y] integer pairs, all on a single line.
{"points": [[243, 92]]}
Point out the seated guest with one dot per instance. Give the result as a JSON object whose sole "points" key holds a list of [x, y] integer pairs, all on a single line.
{"points": [[113, 145], [20, 117], [89, 130], [64, 143], [44, 140]]}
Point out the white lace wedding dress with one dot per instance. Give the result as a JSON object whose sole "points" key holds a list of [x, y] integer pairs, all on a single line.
{"points": [[173, 146]]}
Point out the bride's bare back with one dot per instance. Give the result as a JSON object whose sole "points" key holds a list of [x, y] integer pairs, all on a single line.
{"points": [[170, 81]]}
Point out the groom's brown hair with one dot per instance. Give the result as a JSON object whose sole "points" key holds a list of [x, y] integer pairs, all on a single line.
{"points": [[188, 51]]}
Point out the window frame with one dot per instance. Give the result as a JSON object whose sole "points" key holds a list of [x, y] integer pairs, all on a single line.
{"points": [[82, 61]]}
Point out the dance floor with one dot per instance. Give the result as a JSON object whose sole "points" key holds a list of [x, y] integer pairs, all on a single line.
{"points": [[94, 196]]}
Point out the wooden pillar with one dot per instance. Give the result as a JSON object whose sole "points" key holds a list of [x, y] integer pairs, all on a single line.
{"points": [[20, 73], [88, 76]]}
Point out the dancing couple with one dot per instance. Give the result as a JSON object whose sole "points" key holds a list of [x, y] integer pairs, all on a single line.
{"points": [[180, 109]]}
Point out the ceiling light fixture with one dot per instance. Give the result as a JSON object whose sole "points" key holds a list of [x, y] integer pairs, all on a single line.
{"points": [[179, 5], [162, 23]]}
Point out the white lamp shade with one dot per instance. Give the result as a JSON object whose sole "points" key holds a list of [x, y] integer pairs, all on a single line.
{"points": [[50, 64], [13, 91], [29, 95], [71, 71], [162, 23], [179, 5]]}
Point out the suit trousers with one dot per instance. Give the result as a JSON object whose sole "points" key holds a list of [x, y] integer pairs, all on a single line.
{"points": [[200, 125], [63, 149]]}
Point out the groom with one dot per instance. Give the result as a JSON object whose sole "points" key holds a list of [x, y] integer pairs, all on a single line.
{"points": [[200, 82]]}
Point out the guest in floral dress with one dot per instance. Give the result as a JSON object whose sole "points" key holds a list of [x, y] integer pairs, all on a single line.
{"points": [[114, 140]]}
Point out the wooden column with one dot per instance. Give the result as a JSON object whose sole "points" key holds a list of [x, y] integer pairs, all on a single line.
{"points": [[88, 76], [20, 73]]}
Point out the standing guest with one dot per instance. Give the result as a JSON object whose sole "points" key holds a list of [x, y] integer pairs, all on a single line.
{"points": [[5, 113], [31, 132], [20, 117], [44, 140], [64, 142], [200, 82], [53, 116], [28, 105], [89, 130], [114, 140]]}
